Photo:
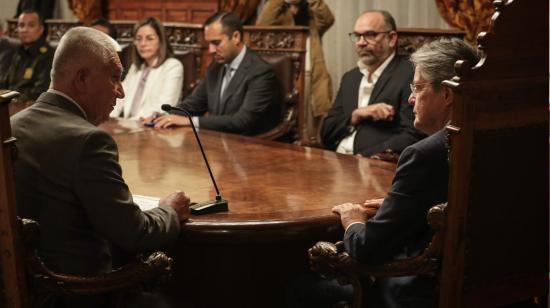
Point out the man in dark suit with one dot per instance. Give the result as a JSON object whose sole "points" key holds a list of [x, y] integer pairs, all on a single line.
{"points": [[239, 91], [399, 229], [370, 114], [67, 173]]}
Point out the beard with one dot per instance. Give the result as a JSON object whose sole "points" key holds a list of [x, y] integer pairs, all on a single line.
{"points": [[372, 57]]}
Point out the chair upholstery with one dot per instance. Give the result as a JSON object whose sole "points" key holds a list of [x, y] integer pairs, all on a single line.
{"points": [[190, 69], [26, 280], [286, 130], [494, 245]]}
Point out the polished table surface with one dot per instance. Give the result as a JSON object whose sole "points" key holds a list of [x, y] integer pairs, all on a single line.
{"points": [[278, 193], [267, 183]]}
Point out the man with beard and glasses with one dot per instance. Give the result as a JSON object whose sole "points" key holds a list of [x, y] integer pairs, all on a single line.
{"points": [[370, 114]]}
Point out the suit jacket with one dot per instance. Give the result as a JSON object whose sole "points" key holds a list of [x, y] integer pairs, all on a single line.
{"points": [[163, 86], [373, 137], [250, 105], [68, 179], [399, 229]]}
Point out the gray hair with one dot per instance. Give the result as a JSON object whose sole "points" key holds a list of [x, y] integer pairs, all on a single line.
{"points": [[436, 60], [78, 48]]}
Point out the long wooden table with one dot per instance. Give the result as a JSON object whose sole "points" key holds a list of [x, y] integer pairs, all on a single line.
{"points": [[280, 196]]}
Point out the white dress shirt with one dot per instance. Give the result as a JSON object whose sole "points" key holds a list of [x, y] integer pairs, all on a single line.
{"points": [[365, 90]]}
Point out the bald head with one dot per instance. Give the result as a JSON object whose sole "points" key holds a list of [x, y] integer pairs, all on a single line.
{"points": [[79, 48]]}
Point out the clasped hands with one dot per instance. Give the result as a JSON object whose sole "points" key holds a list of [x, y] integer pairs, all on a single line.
{"points": [[355, 212], [163, 120], [375, 112]]}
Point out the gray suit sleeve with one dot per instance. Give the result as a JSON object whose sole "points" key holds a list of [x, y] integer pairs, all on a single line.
{"points": [[108, 203]]}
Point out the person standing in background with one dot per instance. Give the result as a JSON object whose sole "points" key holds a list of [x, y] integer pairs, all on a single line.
{"points": [[316, 15]]}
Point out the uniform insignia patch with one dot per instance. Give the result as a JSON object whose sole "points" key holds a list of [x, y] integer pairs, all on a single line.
{"points": [[28, 73]]}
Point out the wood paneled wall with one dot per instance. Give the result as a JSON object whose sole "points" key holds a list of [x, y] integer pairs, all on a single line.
{"points": [[188, 11]]}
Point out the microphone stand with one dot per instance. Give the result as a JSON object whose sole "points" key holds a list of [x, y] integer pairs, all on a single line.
{"points": [[211, 206]]}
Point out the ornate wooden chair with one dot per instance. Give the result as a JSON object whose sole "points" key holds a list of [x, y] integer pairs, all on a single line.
{"points": [[286, 130], [26, 281], [190, 71], [490, 246]]}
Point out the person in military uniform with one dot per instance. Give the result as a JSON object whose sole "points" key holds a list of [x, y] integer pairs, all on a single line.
{"points": [[7, 48], [29, 72]]}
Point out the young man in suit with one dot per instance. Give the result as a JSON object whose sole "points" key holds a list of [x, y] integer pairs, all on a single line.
{"points": [[399, 229], [370, 114], [67, 173], [239, 91]]}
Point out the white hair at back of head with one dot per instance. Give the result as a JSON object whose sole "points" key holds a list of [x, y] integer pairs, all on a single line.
{"points": [[81, 47]]}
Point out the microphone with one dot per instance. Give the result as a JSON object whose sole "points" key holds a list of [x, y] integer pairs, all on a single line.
{"points": [[212, 206]]}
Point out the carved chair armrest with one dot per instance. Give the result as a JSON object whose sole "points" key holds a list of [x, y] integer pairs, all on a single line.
{"points": [[154, 266], [288, 122], [388, 155], [331, 261]]}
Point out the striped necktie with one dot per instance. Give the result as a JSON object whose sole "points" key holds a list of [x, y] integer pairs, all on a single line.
{"points": [[228, 73]]}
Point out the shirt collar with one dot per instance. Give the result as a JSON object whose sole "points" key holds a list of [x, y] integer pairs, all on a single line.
{"points": [[238, 59], [363, 68], [69, 99]]}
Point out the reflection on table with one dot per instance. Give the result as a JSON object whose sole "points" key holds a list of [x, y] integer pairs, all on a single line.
{"points": [[280, 196]]}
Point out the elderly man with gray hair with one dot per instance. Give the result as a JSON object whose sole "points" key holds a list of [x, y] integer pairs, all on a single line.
{"points": [[67, 173], [399, 228]]}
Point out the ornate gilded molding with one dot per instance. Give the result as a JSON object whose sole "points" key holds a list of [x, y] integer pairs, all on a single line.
{"points": [[272, 40]]}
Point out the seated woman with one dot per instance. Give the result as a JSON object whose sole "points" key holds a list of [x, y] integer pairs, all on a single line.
{"points": [[155, 77]]}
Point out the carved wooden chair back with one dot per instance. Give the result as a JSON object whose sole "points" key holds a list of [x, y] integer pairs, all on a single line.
{"points": [[282, 65], [490, 246], [496, 244], [13, 287]]}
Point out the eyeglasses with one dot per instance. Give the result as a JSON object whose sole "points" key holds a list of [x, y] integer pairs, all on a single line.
{"points": [[416, 87], [147, 40], [369, 36]]}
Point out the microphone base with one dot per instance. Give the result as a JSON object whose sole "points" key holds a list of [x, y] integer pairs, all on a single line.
{"points": [[209, 207]]}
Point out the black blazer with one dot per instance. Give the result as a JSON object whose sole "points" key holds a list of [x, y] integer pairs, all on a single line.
{"points": [[399, 229], [374, 137], [251, 103]]}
